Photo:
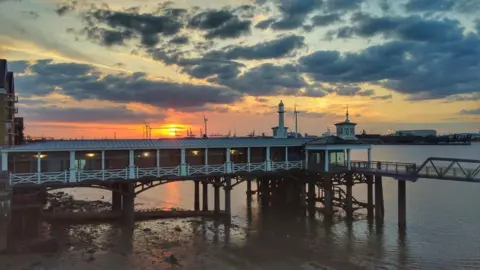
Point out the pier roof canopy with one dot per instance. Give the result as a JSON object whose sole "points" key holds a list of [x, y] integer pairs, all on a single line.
{"points": [[79, 145], [336, 142]]}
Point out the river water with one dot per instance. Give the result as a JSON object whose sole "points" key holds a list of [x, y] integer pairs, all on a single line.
{"points": [[443, 224]]}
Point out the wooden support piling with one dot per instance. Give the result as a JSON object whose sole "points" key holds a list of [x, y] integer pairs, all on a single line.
{"points": [[128, 200], [228, 188], [379, 210], [402, 206], [349, 198], [197, 195], [328, 200], [216, 195], [116, 199], [205, 196], [370, 206]]}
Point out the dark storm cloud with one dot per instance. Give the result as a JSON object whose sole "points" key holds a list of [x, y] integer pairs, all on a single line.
{"points": [[53, 113], [83, 82], [353, 91], [413, 28], [278, 48]]}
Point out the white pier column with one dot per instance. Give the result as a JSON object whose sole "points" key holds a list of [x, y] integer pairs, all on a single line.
{"points": [[286, 158], [327, 160], [349, 161], [39, 167], [73, 168], [268, 166], [102, 158], [248, 158], [228, 162], [183, 163], [131, 164], [157, 163], [4, 161], [206, 161], [369, 157]]}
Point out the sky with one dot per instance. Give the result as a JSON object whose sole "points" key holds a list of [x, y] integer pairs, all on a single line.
{"points": [[104, 69]]}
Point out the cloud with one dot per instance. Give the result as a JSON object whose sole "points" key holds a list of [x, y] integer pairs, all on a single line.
{"points": [[414, 28], [84, 82], [420, 69], [353, 91], [278, 48], [115, 27], [464, 6], [325, 20], [471, 112], [266, 80], [120, 115], [384, 97]]}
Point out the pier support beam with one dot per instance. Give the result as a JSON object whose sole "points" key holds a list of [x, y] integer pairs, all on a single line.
{"points": [[128, 204], [116, 199], [249, 188], [216, 195], [349, 198], [379, 210], [328, 200], [228, 188], [205, 196], [370, 205], [402, 205], [196, 205], [311, 197]]}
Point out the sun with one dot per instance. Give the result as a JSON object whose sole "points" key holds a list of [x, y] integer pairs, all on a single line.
{"points": [[171, 130]]}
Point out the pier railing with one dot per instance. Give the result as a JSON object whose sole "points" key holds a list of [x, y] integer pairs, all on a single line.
{"points": [[384, 166], [72, 176]]}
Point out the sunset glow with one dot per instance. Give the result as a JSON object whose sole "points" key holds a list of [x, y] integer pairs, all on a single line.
{"points": [[91, 80]]}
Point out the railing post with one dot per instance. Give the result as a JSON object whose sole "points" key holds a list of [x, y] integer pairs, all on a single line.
{"points": [[39, 167], [73, 167]]}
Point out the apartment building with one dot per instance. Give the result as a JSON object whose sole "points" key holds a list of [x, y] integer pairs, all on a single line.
{"points": [[8, 99]]}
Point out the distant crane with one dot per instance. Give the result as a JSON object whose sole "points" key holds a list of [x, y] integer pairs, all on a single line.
{"points": [[205, 122], [295, 115]]}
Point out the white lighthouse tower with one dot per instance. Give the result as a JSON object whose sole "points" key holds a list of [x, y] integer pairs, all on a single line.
{"points": [[280, 131]]}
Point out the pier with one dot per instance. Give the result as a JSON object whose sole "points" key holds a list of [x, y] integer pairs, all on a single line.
{"points": [[295, 172]]}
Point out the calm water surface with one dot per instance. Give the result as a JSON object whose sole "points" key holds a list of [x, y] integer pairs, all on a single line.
{"points": [[443, 230]]}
